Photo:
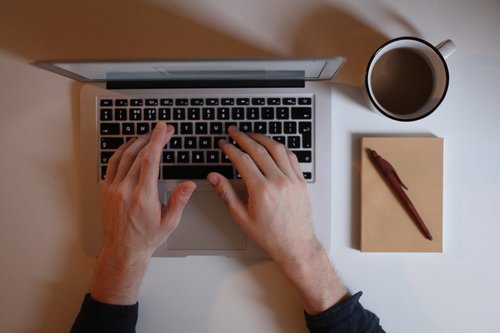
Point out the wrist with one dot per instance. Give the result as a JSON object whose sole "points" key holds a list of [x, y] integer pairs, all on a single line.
{"points": [[314, 277], [117, 278]]}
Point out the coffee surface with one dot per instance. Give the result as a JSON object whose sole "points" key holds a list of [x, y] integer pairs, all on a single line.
{"points": [[402, 81]]}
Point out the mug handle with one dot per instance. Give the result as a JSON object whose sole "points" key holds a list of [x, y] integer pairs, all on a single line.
{"points": [[446, 48]]}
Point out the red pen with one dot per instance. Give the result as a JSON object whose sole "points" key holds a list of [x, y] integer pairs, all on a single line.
{"points": [[392, 179]]}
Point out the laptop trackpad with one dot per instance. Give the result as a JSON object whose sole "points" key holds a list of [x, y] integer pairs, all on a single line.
{"points": [[206, 225]]}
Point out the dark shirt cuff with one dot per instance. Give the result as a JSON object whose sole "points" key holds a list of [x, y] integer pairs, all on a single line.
{"points": [[99, 317], [347, 316]]}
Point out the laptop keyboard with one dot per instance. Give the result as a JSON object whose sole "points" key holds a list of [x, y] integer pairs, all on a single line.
{"points": [[200, 122]]}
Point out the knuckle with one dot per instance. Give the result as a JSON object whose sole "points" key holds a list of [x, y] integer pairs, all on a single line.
{"points": [[260, 150]]}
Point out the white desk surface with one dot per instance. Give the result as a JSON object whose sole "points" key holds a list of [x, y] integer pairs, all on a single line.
{"points": [[44, 271]]}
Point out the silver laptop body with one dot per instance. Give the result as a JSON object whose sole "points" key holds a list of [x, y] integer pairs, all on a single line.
{"points": [[206, 227]]}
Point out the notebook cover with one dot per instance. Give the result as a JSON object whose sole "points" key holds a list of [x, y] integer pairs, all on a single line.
{"points": [[385, 224]]}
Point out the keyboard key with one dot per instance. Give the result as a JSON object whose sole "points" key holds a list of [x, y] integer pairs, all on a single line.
{"points": [[110, 129], [186, 128], [237, 113], [120, 114], [258, 101], [205, 142], [103, 171], [290, 127], [301, 113], [260, 127], [201, 128], [289, 101], [252, 113], [194, 113], [135, 114], [181, 101], [136, 102], [213, 156], [168, 157], [212, 101], [179, 114], [106, 114], [189, 142], [149, 114], [243, 101], [106, 102], [267, 113], [121, 102], [222, 113], [227, 101], [227, 125], [105, 156], [293, 142], [282, 113], [195, 171], [246, 127], [197, 101], [305, 128], [175, 143], [197, 157], [307, 175], [111, 142], [142, 128], [216, 128], [183, 157], [128, 129], [280, 138], [165, 114], [166, 102], [305, 101], [303, 156], [151, 102], [274, 127], [208, 114], [274, 101]]}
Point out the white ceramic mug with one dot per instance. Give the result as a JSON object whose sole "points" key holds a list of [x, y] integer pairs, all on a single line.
{"points": [[434, 56]]}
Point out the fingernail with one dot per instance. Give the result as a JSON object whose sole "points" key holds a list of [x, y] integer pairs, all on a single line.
{"points": [[170, 128], [187, 191], [213, 179]]}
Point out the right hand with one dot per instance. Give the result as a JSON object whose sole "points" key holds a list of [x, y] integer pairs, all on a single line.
{"points": [[278, 214]]}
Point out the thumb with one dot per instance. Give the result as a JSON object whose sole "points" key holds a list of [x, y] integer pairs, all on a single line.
{"points": [[226, 192], [171, 212]]}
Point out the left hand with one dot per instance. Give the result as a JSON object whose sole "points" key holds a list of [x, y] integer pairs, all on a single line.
{"points": [[135, 221]]}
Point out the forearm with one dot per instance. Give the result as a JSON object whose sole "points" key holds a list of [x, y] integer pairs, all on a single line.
{"points": [[315, 278], [117, 280]]}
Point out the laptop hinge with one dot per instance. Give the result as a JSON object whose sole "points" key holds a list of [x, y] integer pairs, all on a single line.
{"points": [[190, 84]]}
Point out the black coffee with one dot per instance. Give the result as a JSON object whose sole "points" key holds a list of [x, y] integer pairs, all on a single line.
{"points": [[402, 81]]}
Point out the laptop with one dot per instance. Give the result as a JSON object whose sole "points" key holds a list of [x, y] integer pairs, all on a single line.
{"points": [[286, 99]]}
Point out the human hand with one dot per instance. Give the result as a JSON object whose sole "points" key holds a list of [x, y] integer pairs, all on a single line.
{"points": [[135, 221], [278, 214]]}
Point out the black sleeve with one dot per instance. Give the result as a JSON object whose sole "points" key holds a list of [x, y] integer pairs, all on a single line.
{"points": [[347, 316], [97, 317]]}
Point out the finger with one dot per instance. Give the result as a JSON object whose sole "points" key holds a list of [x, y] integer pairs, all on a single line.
{"points": [[114, 161], [243, 163], [294, 163], [278, 152], [129, 155], [172, 211], [226, 192], [150, 160], [259, 154]]}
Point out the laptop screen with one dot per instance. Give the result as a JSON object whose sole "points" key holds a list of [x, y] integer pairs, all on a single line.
{"points": [[284, 69]]}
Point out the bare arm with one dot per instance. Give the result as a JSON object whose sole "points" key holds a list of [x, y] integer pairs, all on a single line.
{"points": [[278, 216]]}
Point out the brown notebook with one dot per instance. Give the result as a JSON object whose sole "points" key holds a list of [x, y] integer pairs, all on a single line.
{"points": [[385, 224]]}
